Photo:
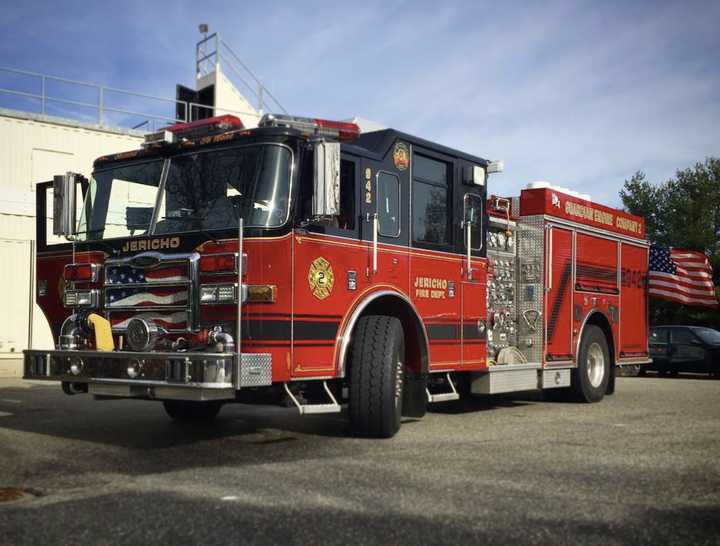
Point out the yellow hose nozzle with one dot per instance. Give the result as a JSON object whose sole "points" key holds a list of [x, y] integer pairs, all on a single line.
{"points": [[103, 332]]}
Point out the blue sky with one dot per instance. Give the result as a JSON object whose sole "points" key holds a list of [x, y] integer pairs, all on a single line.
{"points": [[582, 94]]}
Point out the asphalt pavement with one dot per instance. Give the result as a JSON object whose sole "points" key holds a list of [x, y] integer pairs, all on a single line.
{"points": [[641, 467]]}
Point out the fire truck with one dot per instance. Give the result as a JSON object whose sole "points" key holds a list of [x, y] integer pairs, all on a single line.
{"points": [[308, 263]]}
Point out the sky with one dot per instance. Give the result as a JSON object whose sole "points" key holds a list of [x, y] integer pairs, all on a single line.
{"points": [[581, 94]]}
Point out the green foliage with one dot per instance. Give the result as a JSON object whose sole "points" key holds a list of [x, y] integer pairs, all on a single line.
{"points": [[683, 212]]}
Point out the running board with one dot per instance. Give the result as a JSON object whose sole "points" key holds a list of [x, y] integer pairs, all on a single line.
{"points": [[503, 378], [443, 396], [308, 409]]}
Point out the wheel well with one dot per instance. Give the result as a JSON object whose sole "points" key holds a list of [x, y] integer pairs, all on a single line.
{"points": [[416, 349], [601, 321]]}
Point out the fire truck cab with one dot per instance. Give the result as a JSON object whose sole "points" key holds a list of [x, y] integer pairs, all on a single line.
{"points": [[305, 262]]}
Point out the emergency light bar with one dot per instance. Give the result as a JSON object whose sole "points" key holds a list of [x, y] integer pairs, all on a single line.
{"points": [[194, 129], [340, 130]]}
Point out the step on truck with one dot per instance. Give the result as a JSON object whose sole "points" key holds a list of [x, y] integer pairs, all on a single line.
{"points": [[305, 262]]}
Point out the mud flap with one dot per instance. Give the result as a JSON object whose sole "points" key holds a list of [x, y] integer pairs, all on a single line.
{"points": [[414, 402]]}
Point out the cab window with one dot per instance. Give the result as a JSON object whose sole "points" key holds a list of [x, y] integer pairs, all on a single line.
{"points": [[430, 198], [347, 194], [472, 215], [388, 204]]}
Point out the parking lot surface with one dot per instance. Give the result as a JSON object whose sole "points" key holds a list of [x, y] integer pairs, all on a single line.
{"points": [[641, 467]]}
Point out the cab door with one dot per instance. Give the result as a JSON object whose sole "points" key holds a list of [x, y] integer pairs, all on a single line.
{"points": [[384, 223], [436, 264], [558, 286], [474, 283]]}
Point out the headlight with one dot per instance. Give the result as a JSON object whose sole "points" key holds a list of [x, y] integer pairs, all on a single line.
{"points": [[218, 293], [226, 292], [82, 298], [208, 294]]}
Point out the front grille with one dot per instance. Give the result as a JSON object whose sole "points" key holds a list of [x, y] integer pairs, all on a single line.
{"points": [[153, 286]]}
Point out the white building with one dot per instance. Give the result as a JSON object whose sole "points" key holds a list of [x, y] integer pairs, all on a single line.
{"points": [[35, 146]]}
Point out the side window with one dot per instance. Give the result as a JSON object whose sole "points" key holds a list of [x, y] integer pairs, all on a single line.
{"points": [[388, 204], [472, 215], [430, 200], [659, 336], [681, 335], [347, 194]]}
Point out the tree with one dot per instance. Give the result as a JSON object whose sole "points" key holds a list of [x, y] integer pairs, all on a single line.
{"points": [[683, 212]]}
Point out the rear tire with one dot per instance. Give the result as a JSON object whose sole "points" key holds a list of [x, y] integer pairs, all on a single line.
{"points": [[189, 411], [590, 378], [376, 376]]}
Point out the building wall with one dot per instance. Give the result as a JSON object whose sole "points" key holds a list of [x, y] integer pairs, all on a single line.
{"points": [[33, 149], [228, 100]]}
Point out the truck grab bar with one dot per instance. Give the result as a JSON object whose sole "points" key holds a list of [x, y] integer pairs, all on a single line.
{"points": [[238, 331], [468, 238], [376, 228], [549, 261]]}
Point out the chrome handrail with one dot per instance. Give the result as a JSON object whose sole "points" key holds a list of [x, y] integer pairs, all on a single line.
{"points": [[213, 50]]}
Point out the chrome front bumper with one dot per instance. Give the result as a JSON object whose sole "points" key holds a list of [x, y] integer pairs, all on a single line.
{"points": [[192, 376]]}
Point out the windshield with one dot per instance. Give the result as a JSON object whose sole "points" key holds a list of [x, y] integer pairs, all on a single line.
{"points": [[120, 201], [708, 335], [203, 191]]}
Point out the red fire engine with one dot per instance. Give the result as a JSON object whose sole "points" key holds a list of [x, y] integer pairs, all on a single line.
{"points": [[305, 262]]}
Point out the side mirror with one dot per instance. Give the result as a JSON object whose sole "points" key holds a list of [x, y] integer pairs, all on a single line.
{"points": [[64, 203], [326, 179]]}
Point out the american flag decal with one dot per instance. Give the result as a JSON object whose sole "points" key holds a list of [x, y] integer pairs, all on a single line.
{"points": [[146, 296], [161, 293], [125, 274], [684, 276]]}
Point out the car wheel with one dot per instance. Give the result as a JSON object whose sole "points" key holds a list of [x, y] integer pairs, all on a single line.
{"points": [[376, 376]]}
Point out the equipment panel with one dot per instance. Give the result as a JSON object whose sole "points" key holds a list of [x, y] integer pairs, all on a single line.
{"points": [[531, 286], [501, 287]]}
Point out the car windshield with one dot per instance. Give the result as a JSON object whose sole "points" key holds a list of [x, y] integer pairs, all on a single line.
{"points": [[203, 191], [708, 335]]}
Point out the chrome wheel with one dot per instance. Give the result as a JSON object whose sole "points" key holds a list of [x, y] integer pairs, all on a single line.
{"points": [[595, 364]]}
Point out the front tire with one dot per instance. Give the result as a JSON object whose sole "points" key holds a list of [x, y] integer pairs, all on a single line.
{"points": [[590, 378], [191, 411], [376, 376]]}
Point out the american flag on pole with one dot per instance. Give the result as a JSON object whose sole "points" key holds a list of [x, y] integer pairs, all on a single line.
{"points": [[684, 276]]}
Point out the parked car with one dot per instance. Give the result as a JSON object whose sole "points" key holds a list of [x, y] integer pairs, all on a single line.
{"points": [[684, 349]]}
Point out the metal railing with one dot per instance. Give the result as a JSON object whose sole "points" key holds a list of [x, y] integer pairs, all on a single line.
{"points": [[110, 107], [105, 106], [213, 51]]}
